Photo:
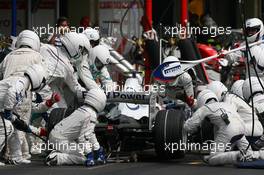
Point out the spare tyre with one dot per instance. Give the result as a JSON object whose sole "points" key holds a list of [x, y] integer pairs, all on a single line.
{"points": [[169, 136]]}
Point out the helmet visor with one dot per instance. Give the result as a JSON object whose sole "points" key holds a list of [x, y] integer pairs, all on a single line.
{"points": [[250, 31]]}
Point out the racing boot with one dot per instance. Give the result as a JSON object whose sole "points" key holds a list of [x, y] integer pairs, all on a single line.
{"points": [[51, 159], [90, 159], [258, 144], [100, 156], [248, 156], [19, 161]]}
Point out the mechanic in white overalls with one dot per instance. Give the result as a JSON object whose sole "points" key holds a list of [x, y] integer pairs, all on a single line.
{"points": [[254, 32], [13, 91], [243, 108], [229, 128], [60, 70], [94, 65], [74, 130]]}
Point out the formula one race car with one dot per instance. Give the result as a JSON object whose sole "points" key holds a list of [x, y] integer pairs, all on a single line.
{"points": [[137, 123]]}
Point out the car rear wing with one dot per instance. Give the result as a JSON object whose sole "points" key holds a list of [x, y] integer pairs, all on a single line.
{"points": [[147, 98]]}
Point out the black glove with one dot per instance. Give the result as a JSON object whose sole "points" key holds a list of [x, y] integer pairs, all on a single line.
{"points": [[21, 125]]}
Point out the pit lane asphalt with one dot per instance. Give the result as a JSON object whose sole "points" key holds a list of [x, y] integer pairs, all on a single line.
{"points": [[147, 166]]}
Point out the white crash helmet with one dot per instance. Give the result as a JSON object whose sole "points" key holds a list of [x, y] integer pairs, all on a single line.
{"points": [[218, 88], [73, 44], [254, 29], [92, 34], [28, 38], [173, 69], [37, 76], [101, 56], [204, 97], [86, 42], [170, 59], [237, 88], [96, 98], [132, 85], [256, 87]]}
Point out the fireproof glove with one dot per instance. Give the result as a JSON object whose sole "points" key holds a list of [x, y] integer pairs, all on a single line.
{"points": [[54, 99]]}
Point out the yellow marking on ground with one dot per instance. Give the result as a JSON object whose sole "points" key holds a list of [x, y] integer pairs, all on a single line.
{"points": [[195, 163]]}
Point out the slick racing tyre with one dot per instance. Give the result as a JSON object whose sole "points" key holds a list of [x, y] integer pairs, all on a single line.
{"points": [[169, 136]]}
